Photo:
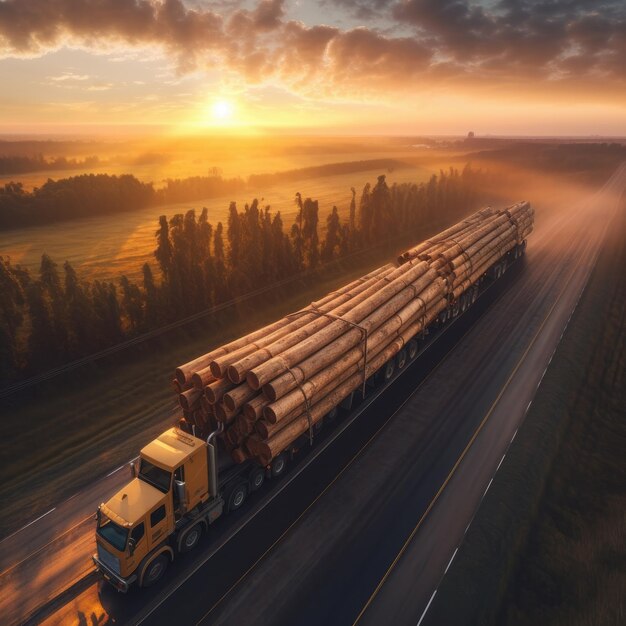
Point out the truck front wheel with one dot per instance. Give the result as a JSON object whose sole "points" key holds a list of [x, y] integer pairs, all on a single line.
{"points": [[154, 570]]}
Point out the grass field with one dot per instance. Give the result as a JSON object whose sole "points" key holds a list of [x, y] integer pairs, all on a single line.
{"points": [[547, 545], [107, 246]]}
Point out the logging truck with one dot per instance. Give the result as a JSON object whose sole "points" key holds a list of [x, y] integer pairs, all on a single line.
{"points": [[251, 406]]}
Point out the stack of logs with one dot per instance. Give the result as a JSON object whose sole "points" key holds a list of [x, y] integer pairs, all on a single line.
{"points": [[266, 389]]}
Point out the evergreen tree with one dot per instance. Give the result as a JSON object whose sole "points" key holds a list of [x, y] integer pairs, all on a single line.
{"points": [[12, 302], [151, 312], [332, 241], [79, 312], [132, 304], [163, 252]]}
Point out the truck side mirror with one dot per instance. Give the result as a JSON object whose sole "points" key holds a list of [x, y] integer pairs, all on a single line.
{"points": [[181, 488], [132, 544], [133, 469]]}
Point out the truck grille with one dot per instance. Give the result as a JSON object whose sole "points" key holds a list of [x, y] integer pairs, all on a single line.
{"points": [[111, 561]]}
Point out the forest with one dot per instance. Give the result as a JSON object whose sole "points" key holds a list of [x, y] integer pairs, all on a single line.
{"points": [[54, 317], [96, 194], [18, 164]]}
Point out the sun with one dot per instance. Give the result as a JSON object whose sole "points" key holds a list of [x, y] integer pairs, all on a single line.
{"points": [[222, 111]]}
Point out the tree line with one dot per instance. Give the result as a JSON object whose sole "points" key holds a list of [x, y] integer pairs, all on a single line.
{"points": [[54, 316], [99, 194], [17, 164]]}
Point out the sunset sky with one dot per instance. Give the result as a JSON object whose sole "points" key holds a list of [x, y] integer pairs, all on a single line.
{"points": [[546, 67]]}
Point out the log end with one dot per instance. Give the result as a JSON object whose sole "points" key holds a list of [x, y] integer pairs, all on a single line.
{"points": [[216, 370], [228, 400], [269, 414], [253, 380], [181, 377], [269, 392], [239, 455], [184, 402], [234, 375], [196, 381]]}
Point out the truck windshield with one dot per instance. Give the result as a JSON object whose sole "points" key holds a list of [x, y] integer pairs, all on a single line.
{"points": [[154, 475], [113, 534]]}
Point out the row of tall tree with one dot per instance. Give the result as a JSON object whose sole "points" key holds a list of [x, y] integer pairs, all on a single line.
{"points": [[53, 317], [99, 194]]}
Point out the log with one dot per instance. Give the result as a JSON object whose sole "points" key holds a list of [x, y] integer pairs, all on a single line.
{"points": [[352, 361], [375, 310], [287, 381], [237, 364], [215, 391], [202, 378], [236, 397], [189, 399], [253, 409], [238, 371]]}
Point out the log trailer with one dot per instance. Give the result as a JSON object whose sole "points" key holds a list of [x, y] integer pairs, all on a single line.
{"points": [[249, 407]]}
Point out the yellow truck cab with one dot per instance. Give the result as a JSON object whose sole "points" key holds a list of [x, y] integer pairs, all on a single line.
{"points": [[163, 510]]}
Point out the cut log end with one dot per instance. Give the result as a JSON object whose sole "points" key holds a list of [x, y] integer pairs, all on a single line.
{"points": [[253, 381], [234, 375]]}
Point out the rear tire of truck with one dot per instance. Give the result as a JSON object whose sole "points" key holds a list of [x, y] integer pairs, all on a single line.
{"points": [[256, 478], [191, 537], [237, 496], [401, 359], [389, 369], [412, 348], [154, 571], [279, 465]]}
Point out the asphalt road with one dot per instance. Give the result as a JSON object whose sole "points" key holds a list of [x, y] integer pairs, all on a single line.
{"points": [[374, 546], [356, 529]]}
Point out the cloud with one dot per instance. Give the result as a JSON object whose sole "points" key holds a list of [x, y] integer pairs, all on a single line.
{"points": [[424, 42]]}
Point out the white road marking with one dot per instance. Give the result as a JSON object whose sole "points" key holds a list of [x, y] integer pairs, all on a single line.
{"points": [[486, 490], [427, 607], [450, 561], [502, 459]]}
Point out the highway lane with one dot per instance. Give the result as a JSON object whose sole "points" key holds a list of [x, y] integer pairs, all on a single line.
{"points": [[49, 555], [326, 567], [231, 558], [286, 498]]}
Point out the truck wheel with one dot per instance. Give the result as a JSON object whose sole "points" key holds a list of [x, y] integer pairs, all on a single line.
{"points": [[154, 571], [412, 348], [474, 294], [389, 370], [237, 496], [278, 466], [190, 538], [256, 478], [332, 414], [401, 359], [464, 303]]}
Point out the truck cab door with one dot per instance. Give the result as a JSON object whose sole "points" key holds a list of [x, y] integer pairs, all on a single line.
{"points": [[159, 523]]}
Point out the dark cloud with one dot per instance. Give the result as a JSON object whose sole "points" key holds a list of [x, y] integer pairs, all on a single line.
{"points": [[536, 37], [433, 40]]}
